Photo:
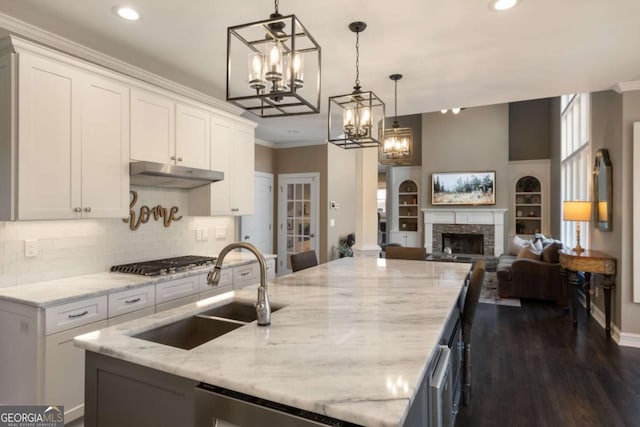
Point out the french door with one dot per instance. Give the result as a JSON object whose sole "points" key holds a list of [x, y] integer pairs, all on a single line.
{"points": [[298, 224]]}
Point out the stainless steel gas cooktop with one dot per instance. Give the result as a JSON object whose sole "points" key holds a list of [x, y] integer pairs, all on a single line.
{"points": [[165, 266]]}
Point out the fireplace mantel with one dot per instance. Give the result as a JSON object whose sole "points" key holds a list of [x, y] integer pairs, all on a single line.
{"points": [[493, 217]]}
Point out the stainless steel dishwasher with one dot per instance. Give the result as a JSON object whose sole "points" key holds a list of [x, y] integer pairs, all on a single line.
{"points": [[219, 407]]}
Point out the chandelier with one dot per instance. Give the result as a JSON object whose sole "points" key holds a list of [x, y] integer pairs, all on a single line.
{"points": [[352, 117], [273, 67], [396, 148]]}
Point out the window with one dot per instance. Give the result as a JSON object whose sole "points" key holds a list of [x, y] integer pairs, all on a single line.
{"points": [[575, 160]]}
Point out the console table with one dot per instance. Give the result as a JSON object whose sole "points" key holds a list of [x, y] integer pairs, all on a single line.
{"points": [[590, 262]]}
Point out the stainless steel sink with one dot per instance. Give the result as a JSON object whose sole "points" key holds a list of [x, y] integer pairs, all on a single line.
{"points": [[240, 311], [203, 327], [190, 332]]}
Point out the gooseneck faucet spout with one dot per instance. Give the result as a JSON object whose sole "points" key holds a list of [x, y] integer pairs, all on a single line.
{"points": [[263, 309]]}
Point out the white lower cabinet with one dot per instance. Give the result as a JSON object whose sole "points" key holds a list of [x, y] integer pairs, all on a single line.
{"points": [[39, 363], [247, 275], [64, 370], [174, 289]]}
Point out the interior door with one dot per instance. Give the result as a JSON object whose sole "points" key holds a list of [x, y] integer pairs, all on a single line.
{"points": [[298, 223], [257, 229]]}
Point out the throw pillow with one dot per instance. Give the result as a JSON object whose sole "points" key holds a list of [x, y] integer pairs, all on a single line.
{"points": [[550, 253], [516, 244], [529, 252], [537, 245]]}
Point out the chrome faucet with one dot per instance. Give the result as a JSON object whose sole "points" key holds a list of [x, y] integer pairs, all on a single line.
{"points": [[263, 309]]}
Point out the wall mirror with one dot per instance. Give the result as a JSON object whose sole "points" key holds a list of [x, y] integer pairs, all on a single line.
{"points": [[603, 193]]}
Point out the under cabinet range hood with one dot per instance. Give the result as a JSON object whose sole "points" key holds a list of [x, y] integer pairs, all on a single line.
{"points": [[171, 176]]}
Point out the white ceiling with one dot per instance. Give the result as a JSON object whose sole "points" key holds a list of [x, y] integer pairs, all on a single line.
{"points": [[451, 52]]}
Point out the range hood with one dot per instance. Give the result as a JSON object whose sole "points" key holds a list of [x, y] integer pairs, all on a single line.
{"points": [[171, 176]]}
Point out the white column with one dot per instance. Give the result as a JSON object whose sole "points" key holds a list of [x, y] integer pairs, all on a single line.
{"points": [[366, 203]]}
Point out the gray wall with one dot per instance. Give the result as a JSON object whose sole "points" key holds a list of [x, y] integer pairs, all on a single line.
{"points": [[341, 167], [477, 139], [530, 129], [311, 158], [606, 132], [630, 312], [265, 159]]}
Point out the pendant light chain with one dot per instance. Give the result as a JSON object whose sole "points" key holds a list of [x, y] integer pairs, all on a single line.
{"points": [[395, 102], [357, 60], [276, 3]]}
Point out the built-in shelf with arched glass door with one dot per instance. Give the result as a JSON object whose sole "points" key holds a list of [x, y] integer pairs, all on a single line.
{"points": [[528, 210]]}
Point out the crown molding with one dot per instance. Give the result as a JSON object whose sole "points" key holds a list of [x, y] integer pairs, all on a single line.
{"points": [[627, 86], [67, 46], [265, 143], [295, 144]]}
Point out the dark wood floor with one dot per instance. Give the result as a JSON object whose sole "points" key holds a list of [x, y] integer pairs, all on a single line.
{"points": [[530, 367]]}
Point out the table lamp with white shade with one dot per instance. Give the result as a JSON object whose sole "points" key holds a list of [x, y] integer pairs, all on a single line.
{"points": [[578, 211]]}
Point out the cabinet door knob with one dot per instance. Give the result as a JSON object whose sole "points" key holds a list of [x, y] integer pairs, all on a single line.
{"points": [[77, 210], [173, 157], [87, 209], [234, 209], [179, 159]]}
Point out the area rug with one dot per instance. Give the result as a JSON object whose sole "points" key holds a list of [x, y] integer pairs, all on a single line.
{"points": [[489, 293]]}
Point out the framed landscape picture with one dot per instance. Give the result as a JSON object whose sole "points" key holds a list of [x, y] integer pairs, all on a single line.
{"points": [[463, 188]]}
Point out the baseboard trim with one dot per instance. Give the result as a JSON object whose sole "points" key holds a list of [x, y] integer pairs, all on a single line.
{"points": [[600, 318], [629, 340]]}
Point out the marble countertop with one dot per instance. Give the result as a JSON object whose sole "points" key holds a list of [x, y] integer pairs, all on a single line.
{"points": [[53, 292], [352, 342]]}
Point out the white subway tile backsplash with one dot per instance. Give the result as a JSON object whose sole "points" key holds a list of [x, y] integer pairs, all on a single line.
{"points": [[76, 247]]}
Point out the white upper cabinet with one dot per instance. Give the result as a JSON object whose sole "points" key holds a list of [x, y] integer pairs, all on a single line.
{"points": [[69, 128], [152, 127], [232, 152], [167, 132], [49, 153], [105, 149], [73, 142], [193, 136]]}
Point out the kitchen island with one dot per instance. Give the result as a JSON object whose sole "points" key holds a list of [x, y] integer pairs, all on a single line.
{"points": [[353, 341]]}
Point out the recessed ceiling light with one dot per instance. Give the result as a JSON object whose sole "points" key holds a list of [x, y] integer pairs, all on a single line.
{"points": [[500, 5], [126, 12]]}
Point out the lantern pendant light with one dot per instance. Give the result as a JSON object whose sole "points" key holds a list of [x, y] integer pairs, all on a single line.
{"points": [[353, 117], [397, 141], [283, 67]]}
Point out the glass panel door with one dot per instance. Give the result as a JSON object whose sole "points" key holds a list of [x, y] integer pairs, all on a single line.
{"points": [[298, 205]]}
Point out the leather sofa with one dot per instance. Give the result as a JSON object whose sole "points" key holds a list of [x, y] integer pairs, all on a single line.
{"points": [[523, 277]]}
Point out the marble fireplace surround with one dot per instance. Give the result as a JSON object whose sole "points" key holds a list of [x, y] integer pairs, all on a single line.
{"points": [[469, 220]]}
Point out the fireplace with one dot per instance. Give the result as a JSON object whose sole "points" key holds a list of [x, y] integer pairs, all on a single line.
{"points": [[464, 243], [488, 222]]}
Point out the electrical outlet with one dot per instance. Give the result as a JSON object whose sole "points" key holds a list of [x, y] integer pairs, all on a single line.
{"points": [[332, 222], [31, 248], [204, 234]]}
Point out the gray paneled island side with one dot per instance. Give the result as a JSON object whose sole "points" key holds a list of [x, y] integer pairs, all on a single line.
{"points": [[357, 340]]}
